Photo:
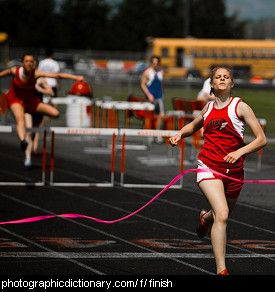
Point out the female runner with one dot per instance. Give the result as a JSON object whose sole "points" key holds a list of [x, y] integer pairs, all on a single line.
{"points": [[223, 121], [21, 97]]}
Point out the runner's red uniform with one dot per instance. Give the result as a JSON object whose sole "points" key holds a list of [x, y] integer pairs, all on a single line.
{"points": [[223, 133], [22, 92]]}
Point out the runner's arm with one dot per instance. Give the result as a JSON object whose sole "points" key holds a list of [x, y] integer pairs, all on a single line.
{"points": [[144, 79], [246, 113], [7, 72], [188, 130], [58, 75]]}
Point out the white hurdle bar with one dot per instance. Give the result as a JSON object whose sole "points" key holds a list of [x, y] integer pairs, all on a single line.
{"points": [[83, 131], [148, 133], [10, 129]]}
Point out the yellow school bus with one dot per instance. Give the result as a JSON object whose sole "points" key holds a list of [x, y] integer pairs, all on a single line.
{"points": [[247, 58]]}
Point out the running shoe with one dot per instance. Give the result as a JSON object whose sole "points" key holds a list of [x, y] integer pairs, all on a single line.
{"points": [[28, 162], [159, 140], [223, 273], [202, 228]]}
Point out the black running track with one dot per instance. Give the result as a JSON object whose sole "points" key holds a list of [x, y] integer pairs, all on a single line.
{"points": [[157, 243]]}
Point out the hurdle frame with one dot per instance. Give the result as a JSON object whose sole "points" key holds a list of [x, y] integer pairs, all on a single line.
{"points": [[83, 131], [148, 133], [10, 129]]}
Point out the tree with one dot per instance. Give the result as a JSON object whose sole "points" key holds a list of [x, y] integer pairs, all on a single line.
{"points": [[98, 25], [84, 24], [137, 19], [38, 24], [209, 20], [29, 23], [10, 24]]}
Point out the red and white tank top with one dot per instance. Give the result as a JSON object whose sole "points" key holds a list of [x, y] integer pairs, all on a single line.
{"points": [[223, 133], [24, 90]]}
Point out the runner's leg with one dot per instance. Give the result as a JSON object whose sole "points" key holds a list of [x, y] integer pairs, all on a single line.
{"points": [[19, 114], [214, 192], [29, 124], [47, 109]]}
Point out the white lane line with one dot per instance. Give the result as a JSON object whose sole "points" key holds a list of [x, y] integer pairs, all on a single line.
{"points": [[125, 255]]}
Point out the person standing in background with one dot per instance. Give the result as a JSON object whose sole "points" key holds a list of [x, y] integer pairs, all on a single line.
{"points": [[151, 84], [50, 65], [206, 94]]}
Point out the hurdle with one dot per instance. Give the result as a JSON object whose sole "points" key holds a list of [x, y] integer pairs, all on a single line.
{"points": [[109, 112], [10, 129], [82, 131], [147, 133]]}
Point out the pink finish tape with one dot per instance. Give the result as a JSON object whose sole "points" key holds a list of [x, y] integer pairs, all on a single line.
{"points": [[38, 218]]}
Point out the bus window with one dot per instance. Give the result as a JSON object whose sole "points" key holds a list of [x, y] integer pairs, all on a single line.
{"points": [[256, 53], [209, 52], [227, 52], [219, 52], [180, 56], [247, 53], [194, 52], [267, 53], [164, 52], [199, 52]]}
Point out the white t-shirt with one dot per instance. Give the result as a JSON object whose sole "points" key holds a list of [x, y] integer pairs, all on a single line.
{"points": [[206, 88], [49, 65]]}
